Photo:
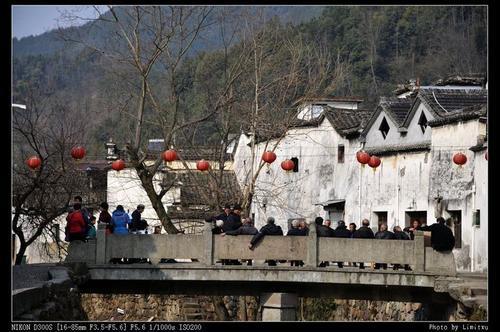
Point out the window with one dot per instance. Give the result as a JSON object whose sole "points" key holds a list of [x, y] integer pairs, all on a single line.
{"points": [[381, 218], [422, 121], [295, 164], [415, 215], [384, 128], [340, 154]]}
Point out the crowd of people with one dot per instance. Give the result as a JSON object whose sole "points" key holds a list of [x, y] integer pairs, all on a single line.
{"points": [[81, 223], [81, 226], [230, 222]]}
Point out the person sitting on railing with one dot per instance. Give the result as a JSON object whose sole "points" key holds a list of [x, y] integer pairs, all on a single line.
{"points": [[225, 214], [364, 232], [442, 238], [269, 229], [296, 231], [400, 235], [246, 229], [383, 234], [233, 220], [342, 232], [415, 226], [218, 226]]}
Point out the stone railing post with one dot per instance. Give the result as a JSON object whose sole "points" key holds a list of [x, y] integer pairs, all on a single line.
{"points": [[419, 251], [208, 239], [100, 246], [312, 246]]}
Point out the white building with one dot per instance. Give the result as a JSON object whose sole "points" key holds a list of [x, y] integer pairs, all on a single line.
{"points": [[323, 150], [415, 139]]}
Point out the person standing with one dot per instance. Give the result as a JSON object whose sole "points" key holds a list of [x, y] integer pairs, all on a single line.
{"points": [[136, 223], [105, 217], [120, 221], [233, 220], [342, 232], [383, 234], [269, 229], [76, 226], [364, 232], [91, 234], [352, 228], [415, 226], [400, 235], [442, 238], [296, 231]]}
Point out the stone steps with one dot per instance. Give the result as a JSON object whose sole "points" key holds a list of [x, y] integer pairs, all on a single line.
{"points": [[191, 309]]}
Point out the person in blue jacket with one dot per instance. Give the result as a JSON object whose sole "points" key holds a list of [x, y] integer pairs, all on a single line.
{"points": [[120, 220]]}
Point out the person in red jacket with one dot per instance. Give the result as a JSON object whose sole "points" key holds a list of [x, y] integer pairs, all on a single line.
{"points": [[76, 225]]}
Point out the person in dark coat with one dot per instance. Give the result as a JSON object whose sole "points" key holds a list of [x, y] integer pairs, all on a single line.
{"points": [[364, 232], [303, 226], [342, 232], [442, 238], [383, 234], [269, 229], [246, 229], [233, 220], [415, 226], [322, 231], [328, 223], [352, 228], [296, 231], [136, 223], [105, 217], [225, 214], [400, 235]]}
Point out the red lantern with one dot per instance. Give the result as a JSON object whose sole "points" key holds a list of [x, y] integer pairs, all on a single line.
{"points": [[374, 162], [269, 157], [202, 165], [459, 159], [78, 152], [118, 165], [287, 165], [486, 155], [169, 155], [363, 157], [34, 162]]}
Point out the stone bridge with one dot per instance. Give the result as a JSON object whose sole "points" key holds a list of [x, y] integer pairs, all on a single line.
{"points": [[429, 280]]}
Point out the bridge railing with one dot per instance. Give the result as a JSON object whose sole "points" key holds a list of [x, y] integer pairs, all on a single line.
{"points": [[207, 248]]}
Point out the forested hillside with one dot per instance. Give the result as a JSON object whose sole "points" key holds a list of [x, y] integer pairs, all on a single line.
{"points": [[365, 51]]}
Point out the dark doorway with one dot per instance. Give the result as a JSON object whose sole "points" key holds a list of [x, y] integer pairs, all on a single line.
{"points": [[455, 223], [381, 217]]}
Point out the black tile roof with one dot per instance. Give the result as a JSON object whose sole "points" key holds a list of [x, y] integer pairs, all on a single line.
{"points": [[200, 189], [396, 108], [464, 114], [396, 148], [347, 122], [447, 102]]}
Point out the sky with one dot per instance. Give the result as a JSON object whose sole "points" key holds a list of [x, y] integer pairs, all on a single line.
{"points": [[37, 19]]}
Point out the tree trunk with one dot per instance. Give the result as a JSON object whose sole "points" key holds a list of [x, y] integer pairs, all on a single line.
{"points": [[220, 308], [147, 183], [20, 254]]}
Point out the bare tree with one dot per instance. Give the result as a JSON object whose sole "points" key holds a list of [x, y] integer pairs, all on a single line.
{"points": [[40, 196]]}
